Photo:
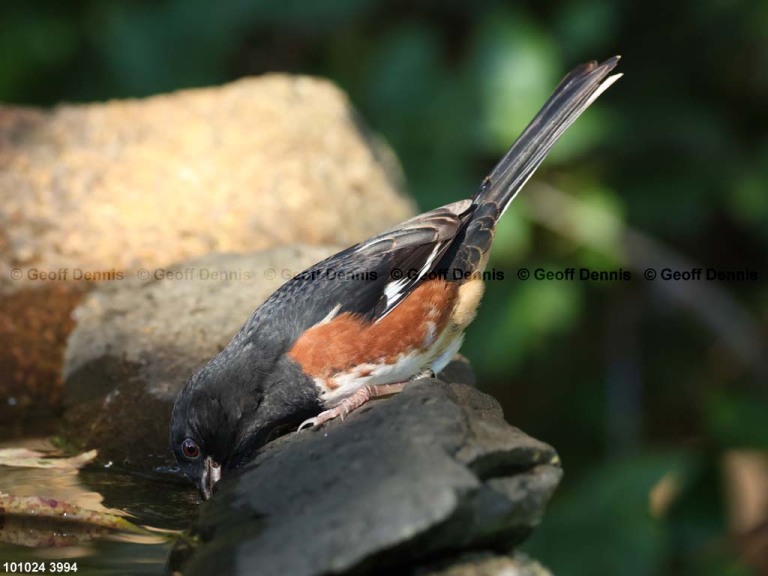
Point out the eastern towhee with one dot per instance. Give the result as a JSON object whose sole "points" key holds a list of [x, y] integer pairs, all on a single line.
{"points": [[365, 321]]}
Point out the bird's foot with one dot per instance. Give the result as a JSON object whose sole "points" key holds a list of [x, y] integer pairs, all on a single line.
{"points": [[354, 402]]}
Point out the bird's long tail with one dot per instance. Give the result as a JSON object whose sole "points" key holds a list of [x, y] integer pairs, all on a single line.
{"points": [[572, 96], [469, 253]]}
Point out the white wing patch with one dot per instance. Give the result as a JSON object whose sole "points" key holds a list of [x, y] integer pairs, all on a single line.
{"points": [[394, 290], [331, 315]]}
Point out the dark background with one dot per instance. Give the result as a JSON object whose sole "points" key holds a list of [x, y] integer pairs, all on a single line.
{"points": [[653, 392]]}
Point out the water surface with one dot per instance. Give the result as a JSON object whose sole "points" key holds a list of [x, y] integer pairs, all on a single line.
{"points": [[163, 506]]}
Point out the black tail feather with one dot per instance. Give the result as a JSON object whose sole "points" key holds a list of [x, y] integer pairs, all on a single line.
{"points": [[577, 90], [574, 94]]}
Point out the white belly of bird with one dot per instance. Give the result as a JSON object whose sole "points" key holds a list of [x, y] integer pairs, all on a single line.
{"points": [[406, 367], [436, 352]]}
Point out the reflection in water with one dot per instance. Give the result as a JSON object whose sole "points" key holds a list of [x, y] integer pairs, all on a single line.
{"points": [[43, 533], [164, 507]]}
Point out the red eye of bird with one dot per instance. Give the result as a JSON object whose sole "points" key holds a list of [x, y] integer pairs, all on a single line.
{"points": [[190, 449]]}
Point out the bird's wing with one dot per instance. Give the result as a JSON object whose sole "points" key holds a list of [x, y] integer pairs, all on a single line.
{"points": [[369, 279], [408, 253]]}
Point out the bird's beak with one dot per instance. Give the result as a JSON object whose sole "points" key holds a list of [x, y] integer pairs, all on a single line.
{"points": [[211, 475]]}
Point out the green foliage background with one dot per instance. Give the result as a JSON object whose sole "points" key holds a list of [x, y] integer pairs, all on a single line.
{"points": [[630, 382]]}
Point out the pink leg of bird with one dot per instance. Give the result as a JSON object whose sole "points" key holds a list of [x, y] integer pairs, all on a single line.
{"points": [[354, 402]]}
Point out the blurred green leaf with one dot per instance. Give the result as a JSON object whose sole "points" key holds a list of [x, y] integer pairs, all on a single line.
{"points": [[603, 525], [533, 311], [748, 197], [516, 67], [737, 418], [409, 94], [597, 220], [513, 235], [587, 27], [30, 47]]}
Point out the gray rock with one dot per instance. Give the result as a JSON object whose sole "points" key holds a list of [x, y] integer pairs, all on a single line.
{"points": [[401, 483], [97, 190], [136, 343]]}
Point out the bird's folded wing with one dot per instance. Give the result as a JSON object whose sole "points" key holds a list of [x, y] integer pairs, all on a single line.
{"points": [[369, 279]]}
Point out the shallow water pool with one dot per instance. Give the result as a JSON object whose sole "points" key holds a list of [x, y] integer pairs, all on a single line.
{"points": [[164, 507]]}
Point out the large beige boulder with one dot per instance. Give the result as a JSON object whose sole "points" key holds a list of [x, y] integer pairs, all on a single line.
{"points": [[113, 190]]}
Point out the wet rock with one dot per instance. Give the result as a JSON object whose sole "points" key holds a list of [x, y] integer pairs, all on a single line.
{"points": [[136, 343], [102, 190], [402, 483]]}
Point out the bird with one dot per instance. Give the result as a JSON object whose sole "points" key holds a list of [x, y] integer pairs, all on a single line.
{"points": [[365, 321]]}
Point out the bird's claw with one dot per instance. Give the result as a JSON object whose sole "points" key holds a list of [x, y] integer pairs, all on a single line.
{"points": [[323, 417], [309, 422], [352, 403]]}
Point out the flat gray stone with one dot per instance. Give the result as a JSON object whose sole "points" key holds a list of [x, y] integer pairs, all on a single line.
{"points": [[136, 343], [402, 482]]}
